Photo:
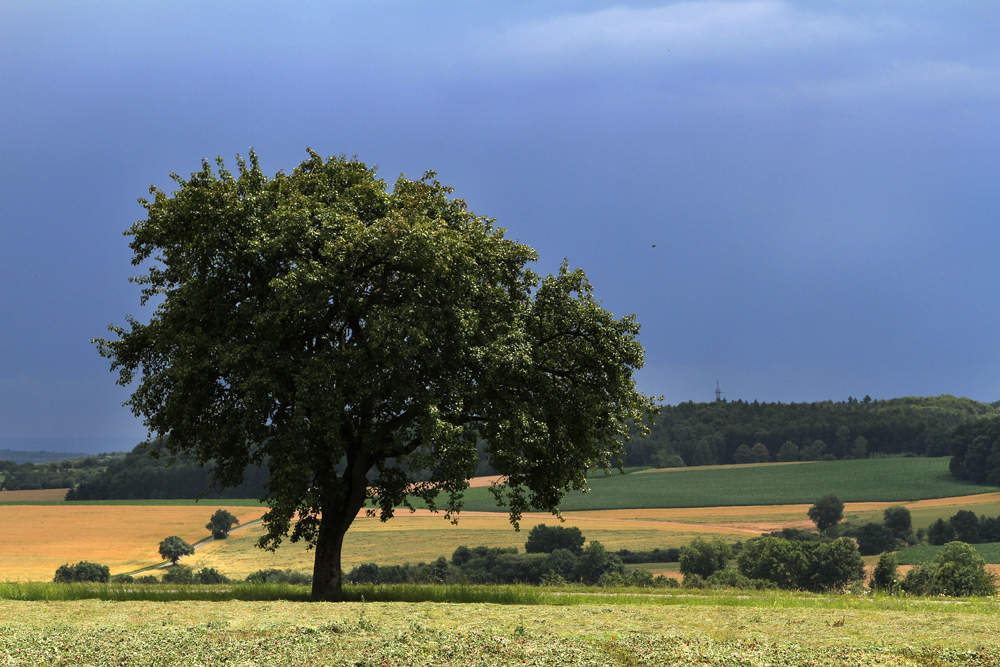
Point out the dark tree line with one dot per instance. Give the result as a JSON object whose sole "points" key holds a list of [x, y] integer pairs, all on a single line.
{"points": [[723, 432], [975, 450], [139, 475]]}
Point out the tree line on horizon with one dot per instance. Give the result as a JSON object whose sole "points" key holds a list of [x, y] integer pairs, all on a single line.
{"points": [[723, 432]]}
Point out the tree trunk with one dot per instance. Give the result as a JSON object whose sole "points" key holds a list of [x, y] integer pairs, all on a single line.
{"points": [[327, 575], [337, 516]]}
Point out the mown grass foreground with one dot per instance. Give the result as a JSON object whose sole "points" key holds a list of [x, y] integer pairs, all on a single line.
{"points": [[718, 629]]}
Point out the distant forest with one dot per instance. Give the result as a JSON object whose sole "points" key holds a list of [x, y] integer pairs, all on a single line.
{"points": [[694, 434], [139, 475], [689, 434]]}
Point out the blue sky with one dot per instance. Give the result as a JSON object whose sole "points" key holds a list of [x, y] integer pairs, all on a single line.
{"points": [[821, 179]]}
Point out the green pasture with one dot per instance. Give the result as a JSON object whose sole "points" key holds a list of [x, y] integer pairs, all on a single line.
{"points": [[875, 480], [926, 553], [759, 629]]}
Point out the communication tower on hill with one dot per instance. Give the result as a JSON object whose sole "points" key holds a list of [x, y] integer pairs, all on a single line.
{"points": [[718, 392]]}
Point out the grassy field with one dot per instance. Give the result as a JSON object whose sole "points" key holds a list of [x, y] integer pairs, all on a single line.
{"points": [[925, 554], [880, 480], [775, 630]]}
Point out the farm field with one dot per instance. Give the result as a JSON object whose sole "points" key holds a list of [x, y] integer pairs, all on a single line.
{"points": [[761, 629], [40, 538], [880, 480], [924, 553]]}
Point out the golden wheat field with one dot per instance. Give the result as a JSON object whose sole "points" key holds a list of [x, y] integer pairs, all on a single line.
{"points": [[40, 538]]}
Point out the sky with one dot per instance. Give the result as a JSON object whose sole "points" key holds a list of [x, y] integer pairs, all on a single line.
{"points": [[798, 200]]}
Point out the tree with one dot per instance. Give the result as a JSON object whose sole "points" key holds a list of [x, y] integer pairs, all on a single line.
{"points": [[596, 561], [788, 452], [885, 576], [827, 511], [221, 523], [833, 565], [362, 342], [774, 559], [759, 453], [898, 520], [174, 548], [875, 538], [546, 539], [703, 557], [742, 454]]}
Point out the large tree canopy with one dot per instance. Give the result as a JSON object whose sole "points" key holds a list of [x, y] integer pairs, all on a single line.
{"points": [[362, 341]]}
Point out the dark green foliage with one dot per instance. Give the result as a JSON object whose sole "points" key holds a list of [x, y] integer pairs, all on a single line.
{"points": [[221, 523], [875, 538], [150, 472], [48, 472], [703, 557], [742, 454], [957, 571], [966, 526], [670, 555], [759, 453], [696, 433], [275, 576], [885, 577], [173, 548], [898, 520], [789, 452], [833, 565], [209, 575], [178, 574], [975, 452], [815, 566], [594, 562], [546, 539], [827, 511], [82, 571], [940, 532], [363, 342]]}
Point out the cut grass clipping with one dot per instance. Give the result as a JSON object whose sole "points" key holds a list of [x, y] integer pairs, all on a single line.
{"points": [[407, 634]]}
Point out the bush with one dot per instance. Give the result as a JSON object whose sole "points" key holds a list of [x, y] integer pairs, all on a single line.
{"points": [[728, 578], [595, 561], [885, 577], [875, 538], [958, 570], [546, 539], [178, 574], [209, 575], [82, 571], [815, 566], [898, 520], [703, 557], [275, 576]]}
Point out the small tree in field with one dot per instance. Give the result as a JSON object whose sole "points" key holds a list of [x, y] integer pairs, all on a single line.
{"points": [[827, 511], [174, 548], [221, 523]]}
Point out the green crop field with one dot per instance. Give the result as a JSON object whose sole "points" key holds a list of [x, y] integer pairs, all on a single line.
{"points": [[761, 629], [925, 554], [876, 480]]}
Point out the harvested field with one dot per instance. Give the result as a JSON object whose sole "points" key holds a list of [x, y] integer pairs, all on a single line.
{"points": [[40, 538], [33, 496]]}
